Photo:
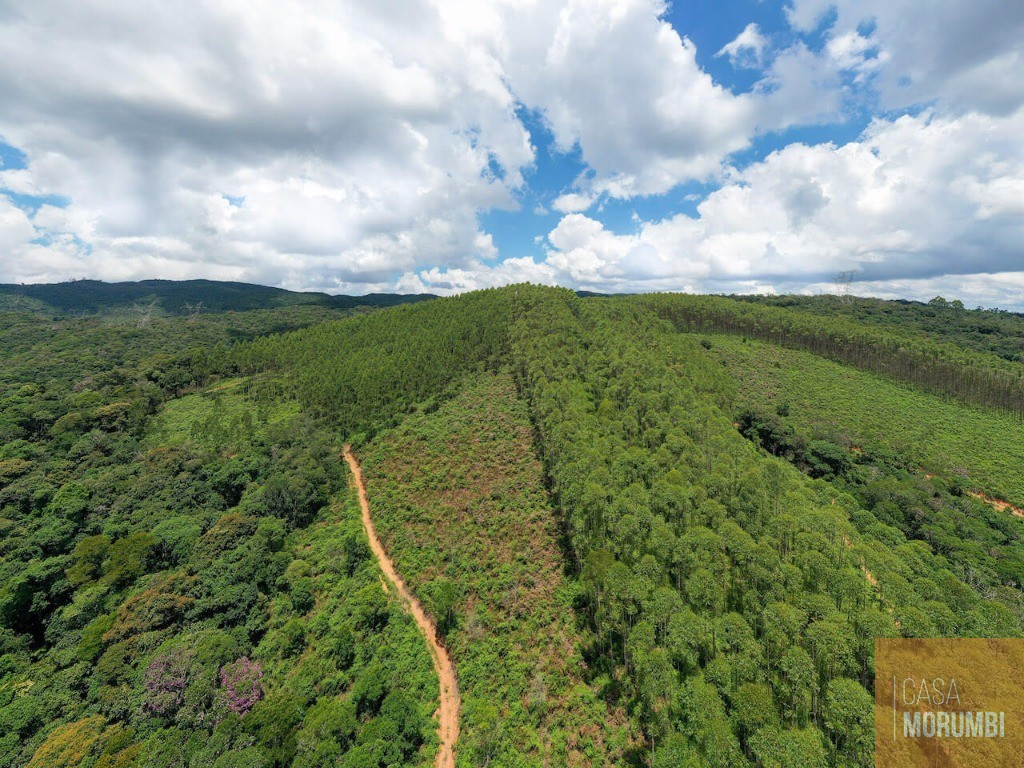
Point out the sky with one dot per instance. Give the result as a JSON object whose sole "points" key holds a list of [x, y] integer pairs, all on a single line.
{"points": [[355, 146]]}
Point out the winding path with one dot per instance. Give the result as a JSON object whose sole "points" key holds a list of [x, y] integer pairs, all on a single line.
{"points": [[448, 712]]}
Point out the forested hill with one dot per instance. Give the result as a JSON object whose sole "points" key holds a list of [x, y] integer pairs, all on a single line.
{"points": [[176, 297], [926, 360], [657, 530], [992, 330]]}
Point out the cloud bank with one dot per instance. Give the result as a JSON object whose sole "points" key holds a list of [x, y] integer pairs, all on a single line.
{"points": [[354, 146]]}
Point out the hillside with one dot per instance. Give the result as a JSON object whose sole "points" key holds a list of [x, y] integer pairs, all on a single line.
{"points": [[858, 409], [650, 530], [175, 297], [460, 502], [992, 330]]}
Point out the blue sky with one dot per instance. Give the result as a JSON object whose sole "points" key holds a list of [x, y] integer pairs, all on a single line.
{"points": [[710, 26], [616, 145]]}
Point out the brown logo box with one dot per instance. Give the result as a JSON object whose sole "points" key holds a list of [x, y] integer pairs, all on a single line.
{"points": [[949, 703]]}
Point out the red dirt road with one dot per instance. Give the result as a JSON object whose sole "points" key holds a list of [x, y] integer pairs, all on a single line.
{"points": [[448, 712]]}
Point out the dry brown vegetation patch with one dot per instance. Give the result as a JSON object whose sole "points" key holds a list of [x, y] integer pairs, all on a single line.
{"points": [[460, 504]]}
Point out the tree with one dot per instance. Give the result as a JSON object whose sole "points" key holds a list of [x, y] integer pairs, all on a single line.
{"points": [[676, 752], [444, 594], [849, 717], [657, 684], [783, 626], [688, 640], [274, 721], [87, 559], [753, 708], [241, 685], [702, 712], [791, 748], [706, 592], [68, 745], [130, 557], [796, 683], [166, 679]]}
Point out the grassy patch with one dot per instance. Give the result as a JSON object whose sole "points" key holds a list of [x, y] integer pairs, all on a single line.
{"points": [[222, 416], [866, 411]]}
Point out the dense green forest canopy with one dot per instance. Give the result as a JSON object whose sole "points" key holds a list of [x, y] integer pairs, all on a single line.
{"points": [[175, 563], [184, 580]]}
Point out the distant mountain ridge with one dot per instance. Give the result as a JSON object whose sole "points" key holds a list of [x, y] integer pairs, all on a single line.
{"points": [[177, 297]]}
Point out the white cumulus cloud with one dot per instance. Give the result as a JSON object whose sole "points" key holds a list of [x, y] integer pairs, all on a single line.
{"points": [[747, 49], [912, 201], [969, 55], [617, 80], [355, 145], [358, 139]]}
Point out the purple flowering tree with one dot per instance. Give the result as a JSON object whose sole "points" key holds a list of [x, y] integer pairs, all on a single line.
{"points": [[241, 684], [166, 679]]}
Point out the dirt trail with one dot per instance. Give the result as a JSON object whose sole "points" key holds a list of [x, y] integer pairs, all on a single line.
{"points": [[997, 504], [448, 712], [867, 574]]}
